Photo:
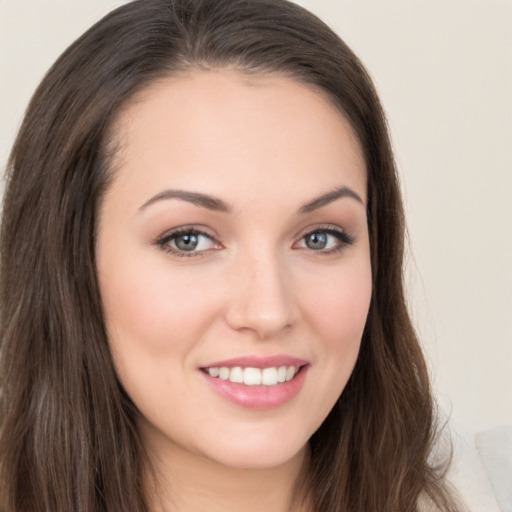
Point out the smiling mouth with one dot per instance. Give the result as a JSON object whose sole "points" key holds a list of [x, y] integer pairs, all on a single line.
{"points": [[271, 376]]}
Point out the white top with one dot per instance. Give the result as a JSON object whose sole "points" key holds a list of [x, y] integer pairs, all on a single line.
{"points": [[481, 469]]}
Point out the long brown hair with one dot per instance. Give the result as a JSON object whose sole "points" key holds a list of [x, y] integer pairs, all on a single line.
{"points": [[68, 439]]}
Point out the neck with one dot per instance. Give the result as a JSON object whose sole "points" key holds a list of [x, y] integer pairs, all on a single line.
{"points": [[186, 482]]}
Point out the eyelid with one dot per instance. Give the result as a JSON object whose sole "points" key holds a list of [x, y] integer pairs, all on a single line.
{"points": [[345, 239], [163, 240]]}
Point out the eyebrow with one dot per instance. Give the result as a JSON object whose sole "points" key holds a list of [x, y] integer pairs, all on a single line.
{"points": [[328, 198], [218, 205], [203, 200]]}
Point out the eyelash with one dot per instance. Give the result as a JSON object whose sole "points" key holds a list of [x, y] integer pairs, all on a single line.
{"points": [[343, 238], [164, 241]]}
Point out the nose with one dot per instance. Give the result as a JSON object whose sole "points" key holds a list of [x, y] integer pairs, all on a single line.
{"points": [[261, 298]]}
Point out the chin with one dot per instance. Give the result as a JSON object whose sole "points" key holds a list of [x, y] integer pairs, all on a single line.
{"points": [[253, 455]]}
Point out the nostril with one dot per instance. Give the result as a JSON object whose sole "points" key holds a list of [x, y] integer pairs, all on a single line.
{"points": [[260, 298]]}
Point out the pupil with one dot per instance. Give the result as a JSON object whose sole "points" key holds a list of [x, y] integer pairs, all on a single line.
{"points": [[187, 242], [316, 241]]}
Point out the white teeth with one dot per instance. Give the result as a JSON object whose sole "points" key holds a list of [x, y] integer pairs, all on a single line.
{"points": [[214, 372], [254, 376], [269, 376], [236, 374], [281, 374]]}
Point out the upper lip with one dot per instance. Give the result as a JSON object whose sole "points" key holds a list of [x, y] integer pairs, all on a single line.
{"points": [[259, 362]]}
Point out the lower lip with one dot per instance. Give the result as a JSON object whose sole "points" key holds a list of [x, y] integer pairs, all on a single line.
{"points": [[258, 397]]}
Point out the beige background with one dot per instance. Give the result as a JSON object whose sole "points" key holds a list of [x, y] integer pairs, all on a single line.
{"points": [[444, 72]]}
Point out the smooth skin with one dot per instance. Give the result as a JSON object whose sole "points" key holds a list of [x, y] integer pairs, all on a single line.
{"points": [[258, 268]]}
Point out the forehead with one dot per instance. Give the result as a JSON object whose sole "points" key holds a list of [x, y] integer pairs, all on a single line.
{"points": [[228, 130]]}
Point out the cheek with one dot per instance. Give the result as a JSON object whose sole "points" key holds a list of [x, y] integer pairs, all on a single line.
{"points": [[337, 310], [156, 320], [149, 306], [338, 304]]}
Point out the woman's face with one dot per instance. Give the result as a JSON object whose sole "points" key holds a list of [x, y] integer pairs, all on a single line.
{"points": [[233, 255]]}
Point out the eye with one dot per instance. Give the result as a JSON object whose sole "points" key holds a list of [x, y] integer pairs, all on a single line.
{"points": [[325, 240], [317, 241], [187, 242]]}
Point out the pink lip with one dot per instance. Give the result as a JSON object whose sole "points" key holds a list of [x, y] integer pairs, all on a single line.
{"points": [[259, 362], [258, 397]]}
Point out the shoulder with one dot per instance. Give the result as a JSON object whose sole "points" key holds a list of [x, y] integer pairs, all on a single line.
{"points": [[468, 473]]}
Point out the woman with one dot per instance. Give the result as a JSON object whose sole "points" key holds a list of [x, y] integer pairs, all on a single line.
{"points": [[202, 299]]}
